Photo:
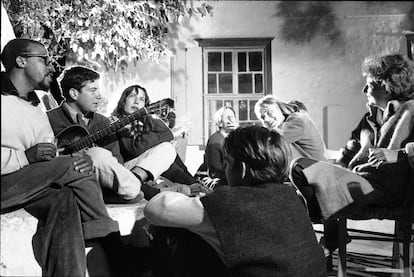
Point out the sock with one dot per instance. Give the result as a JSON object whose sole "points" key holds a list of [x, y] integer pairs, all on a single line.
{"points": [[148, 191]]}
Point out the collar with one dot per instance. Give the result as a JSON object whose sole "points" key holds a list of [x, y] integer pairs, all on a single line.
{"points": [[7, 88], [381, 115], [72, 112]]}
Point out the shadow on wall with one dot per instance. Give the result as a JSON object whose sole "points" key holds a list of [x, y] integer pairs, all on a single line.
{"points": [[304, 21]]}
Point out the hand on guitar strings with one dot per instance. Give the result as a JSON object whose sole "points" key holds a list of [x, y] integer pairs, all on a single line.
{"points": [[41, 152], [84, 163]]}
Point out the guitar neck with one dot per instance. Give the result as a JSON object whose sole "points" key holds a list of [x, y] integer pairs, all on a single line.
{"points": [[106, 131]]}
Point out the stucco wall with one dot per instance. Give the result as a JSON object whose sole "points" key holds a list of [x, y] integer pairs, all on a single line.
{"points": [[316, 63]]}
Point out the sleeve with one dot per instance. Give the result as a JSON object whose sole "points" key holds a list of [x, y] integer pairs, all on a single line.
{"points": [[155, 132], [214, 159], [409, 149], [12, 160], [173, 209], [292, 129]]}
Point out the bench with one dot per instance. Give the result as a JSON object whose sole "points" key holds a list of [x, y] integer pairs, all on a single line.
{"points": [[18, 228]]}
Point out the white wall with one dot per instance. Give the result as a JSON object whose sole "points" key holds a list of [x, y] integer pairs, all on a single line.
{"points": [[317, 72]]}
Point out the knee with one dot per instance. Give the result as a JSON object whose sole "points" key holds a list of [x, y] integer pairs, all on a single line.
{"points": [[99, 155], [167, 151]]}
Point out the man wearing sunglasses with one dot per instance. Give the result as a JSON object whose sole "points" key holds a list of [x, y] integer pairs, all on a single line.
{"points": [[61, 192]]}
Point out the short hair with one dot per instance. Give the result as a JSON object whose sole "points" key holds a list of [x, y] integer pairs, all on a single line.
{"points": [[394, 72], [270, 100], [75, 77], [265, 151], [13, 48], [218, 115], [119, 110]]}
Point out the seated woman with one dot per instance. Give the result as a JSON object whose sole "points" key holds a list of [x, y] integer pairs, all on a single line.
{"points": [[150, 131], [388, 124], [256, 225], [225, 119], [294, 124]]}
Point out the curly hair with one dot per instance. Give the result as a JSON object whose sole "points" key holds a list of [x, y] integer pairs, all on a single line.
{"points": [[394, 72], [265, 152]]}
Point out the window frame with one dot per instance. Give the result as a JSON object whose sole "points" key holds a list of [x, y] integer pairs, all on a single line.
{"points": [[234, 45], [410, 45]]}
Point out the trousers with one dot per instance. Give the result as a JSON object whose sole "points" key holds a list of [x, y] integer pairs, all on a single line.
{"points": [[69, 207], [118, 178]]}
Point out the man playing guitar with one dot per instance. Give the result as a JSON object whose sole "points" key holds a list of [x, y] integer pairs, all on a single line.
{"points": [[80, 87]]}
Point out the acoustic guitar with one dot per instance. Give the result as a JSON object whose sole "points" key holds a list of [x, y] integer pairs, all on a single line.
{"points": [[75, 138]]}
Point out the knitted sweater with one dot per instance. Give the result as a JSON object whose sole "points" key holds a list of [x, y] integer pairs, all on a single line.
{"points": [[264, 231], [22, 126]]}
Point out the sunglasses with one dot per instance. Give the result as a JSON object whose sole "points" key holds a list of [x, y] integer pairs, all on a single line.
{"points": [[46, 58]]}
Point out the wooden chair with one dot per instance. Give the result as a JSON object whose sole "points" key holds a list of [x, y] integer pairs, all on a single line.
{"points": [[403, 238]]}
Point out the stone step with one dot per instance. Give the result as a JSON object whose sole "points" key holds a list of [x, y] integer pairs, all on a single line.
{"points": [[18, 228]]}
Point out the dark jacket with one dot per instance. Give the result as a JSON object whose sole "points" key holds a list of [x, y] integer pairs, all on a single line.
{"points": [[264, 231], [135, 142], [60, 119], [214, 156]]}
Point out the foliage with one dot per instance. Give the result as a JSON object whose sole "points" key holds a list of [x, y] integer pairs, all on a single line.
{"points": [[109, 31]]}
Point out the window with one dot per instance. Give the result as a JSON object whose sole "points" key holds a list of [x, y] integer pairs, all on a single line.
{"points": [[237, 72]]}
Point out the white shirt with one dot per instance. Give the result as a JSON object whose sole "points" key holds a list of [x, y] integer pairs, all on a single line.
{"points": [[173, 209]]}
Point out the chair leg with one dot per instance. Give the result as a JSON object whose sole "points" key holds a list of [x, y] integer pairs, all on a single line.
{"points": [[342, 233], [402, 253], [407, 252]]}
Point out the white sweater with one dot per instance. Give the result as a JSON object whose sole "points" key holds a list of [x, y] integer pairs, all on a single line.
{"points": [[22, 126]]}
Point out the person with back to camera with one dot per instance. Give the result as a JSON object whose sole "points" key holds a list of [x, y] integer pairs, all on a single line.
{"points": [[148, 133], [256, 225], [377, 158], [81, 88], [61, 192]]}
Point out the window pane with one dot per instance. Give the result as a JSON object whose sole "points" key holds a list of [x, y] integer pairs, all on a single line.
{"points": [[258, 83], [255, 61], [212, 83], [214, 61], [228, 103], [227, 61], [252, 114], [213, 106], [242, 61], [225, 83], [211, 128], [243, 110], [245, 83], [245, 124]]}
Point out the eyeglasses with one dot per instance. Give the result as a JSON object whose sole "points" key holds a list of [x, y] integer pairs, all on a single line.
{"points": [[47, 59]]}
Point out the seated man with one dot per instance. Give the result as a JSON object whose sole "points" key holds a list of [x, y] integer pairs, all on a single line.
{"points": [[257, 225], [80, 87], [389, 124], [60, 192]]}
